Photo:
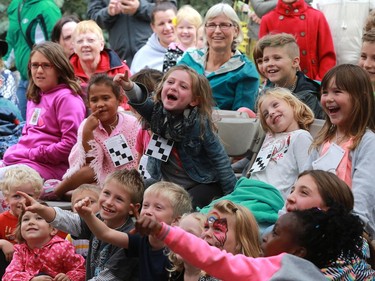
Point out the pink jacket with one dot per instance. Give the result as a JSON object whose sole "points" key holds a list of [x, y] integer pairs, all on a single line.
{"points": [[102, 163], [310, 27], [57, 256], [46, 144], [227, 266]]}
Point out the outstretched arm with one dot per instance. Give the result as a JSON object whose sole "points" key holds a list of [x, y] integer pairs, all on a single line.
{"points": [[99, 228], [47, 213]]}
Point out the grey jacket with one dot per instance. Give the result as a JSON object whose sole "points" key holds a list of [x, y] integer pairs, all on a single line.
{"points": [[363, 179]]}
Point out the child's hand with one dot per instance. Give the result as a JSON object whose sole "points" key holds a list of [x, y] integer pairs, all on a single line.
{"points": [[83, 207], [30, 204], [61, 277], [92, 122], [124, 81], [145, 225]]}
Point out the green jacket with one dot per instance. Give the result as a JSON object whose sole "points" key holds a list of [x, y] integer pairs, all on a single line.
{"points": [[30, 22]]}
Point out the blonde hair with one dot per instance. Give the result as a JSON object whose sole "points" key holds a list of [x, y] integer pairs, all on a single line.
{"points": [[356, 81], [86, 186], [189, 14], [227, 10], [281, 40], [247, 230], [88, 26], [178, 264], [18, 175], [302, 113], [176, 194], [131, 181]]}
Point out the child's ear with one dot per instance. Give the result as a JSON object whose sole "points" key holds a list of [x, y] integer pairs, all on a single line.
{"points": [[53, 231], [295, 62], [137, 206], [175, 221], [194, 103], [300, 252]]}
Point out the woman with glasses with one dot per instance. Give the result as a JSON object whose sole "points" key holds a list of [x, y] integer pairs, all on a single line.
{"points": [[233, 77], [55, 110], [91, 56]]}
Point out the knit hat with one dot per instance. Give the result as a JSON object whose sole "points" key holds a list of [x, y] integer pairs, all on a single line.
{"points": [[3, 47]]}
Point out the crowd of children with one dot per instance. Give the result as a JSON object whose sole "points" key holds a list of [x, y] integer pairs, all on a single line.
{"points": [[153, 193]]}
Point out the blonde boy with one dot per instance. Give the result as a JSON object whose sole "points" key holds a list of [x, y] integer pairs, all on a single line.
{"points": [[367, 58], [162, 201], [281, 67], [104, 261], [92, 192], [16, 178]]}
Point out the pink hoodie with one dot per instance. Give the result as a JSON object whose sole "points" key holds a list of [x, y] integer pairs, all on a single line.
{"points": [[46, 141]]}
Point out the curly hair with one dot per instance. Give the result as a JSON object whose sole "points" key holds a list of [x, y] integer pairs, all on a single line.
{"points": [[328, 235]]}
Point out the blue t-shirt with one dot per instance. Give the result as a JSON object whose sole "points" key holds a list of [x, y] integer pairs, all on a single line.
{"points": [[153, 264]]}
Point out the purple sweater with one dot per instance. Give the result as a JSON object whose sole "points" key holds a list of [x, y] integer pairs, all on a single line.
{"points": [[49, 133], [227, 266]]}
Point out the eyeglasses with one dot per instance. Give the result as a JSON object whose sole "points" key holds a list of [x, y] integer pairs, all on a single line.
{"points": [[44, 65], [222, 26]]}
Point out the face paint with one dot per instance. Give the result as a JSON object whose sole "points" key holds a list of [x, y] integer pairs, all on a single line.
{"points": [[219, 229]]}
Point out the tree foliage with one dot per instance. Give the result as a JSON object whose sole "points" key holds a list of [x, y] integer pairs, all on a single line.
{"points": [[79, 7]]}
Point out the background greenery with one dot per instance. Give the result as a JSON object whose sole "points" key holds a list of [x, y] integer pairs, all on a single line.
{"points": [[79, 7]]}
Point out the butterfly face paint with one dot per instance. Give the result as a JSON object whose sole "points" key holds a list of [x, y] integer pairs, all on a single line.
{"points": [[218, 227]]}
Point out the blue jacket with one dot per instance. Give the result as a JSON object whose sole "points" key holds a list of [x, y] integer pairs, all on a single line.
{"points": [[235, 84], [203, 158]]}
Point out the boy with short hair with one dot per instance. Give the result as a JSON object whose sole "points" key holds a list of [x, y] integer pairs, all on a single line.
{"points": [[104, 261], [312, 32], [163, 201], [92, 192], [16, 178], [281, 66], [367, 58]]}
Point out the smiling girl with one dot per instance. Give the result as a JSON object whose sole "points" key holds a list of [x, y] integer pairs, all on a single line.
{"points": [[102, 133], [346, 143], [41, 254], [181, 114], [285, 149], [188, 20]]}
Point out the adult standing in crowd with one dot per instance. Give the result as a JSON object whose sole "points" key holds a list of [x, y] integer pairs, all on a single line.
{"points": [[30, 22], [346, 19], [62, 33], [152, 54], [233, 77], [127, 22], [91, 56]]}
